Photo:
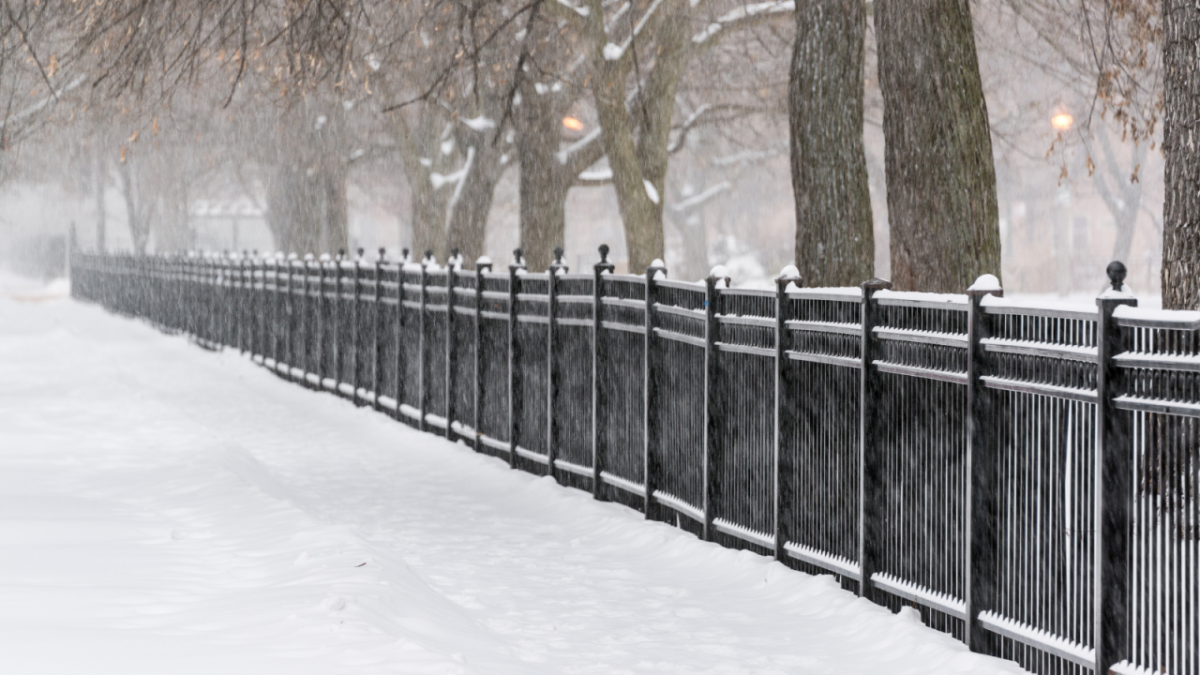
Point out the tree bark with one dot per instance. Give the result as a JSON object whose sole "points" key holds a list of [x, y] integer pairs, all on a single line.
{"points": [[306, 193], [941, 179], [544, 182], [100, 216], [468, 219], [835, 240], [1181, 207]]}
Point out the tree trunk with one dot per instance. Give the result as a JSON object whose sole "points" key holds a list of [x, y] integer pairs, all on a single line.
{"points": [[100, 217], [1181, 206], [835, 240], [306, 194], [139, 231], [468, 220], [941, 180], [640, 215], [544, 180]]}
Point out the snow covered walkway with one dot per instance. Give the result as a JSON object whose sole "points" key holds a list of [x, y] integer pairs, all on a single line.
{"points": [[164, 509]]}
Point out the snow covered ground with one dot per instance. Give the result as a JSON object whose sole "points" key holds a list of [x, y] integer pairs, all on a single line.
{"points": [[164, 509]]}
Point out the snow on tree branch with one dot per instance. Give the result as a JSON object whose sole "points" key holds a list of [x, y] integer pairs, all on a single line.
{"points": [[744, 15], [697, 200]]}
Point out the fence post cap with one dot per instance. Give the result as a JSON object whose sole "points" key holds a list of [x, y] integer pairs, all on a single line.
{"points": [[788, 273], [482, 261], [986, 283], [1116, 272], [604, 253], [719, 274], [876, 284]]}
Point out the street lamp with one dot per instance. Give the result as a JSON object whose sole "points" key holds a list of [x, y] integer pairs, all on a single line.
{"points": [[1062, 121], [572, 124]]}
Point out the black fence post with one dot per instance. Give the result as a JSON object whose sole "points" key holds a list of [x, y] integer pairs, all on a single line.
{"points": [[652, 362], [306, 323], [599, 270], [453, 264], [401, 384], [319, 346], [423, 344], [785, 413], [243, 302], [872, 498], [713, 401], [335, 322], [356, 335], [1114, 475], [552, 374], [290, 315], [482, 264], [982, 465], [253, 310], [515, 269], [376, 334]]}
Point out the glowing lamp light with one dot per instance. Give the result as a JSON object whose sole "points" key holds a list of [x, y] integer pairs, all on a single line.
{"points": [[572, 124], [1061, 121]]}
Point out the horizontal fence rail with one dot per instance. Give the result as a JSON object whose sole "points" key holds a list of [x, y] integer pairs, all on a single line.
{"points": [[1027, 476]]}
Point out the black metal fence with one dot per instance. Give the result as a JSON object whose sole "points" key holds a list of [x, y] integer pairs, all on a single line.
{"points": [[1026, 475]]}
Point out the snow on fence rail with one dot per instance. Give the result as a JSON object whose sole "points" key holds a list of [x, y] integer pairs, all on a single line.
{"points": [[1027, 475]]}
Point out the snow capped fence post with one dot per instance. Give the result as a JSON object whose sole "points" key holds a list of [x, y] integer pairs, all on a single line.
{"points": [[1114, 472], [290, 315], [306, 301], [651, 365], [321, 321], [377, 334], [243, 295], [423, 343], [399, 329], [514, 380], [335, 322], [255, 314], [785, 412], [982, 465], [598, 387], [551, 372], [482, 264], [452, 266], [872, 501], [276, 309], [356, 333], [717, 280]]}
